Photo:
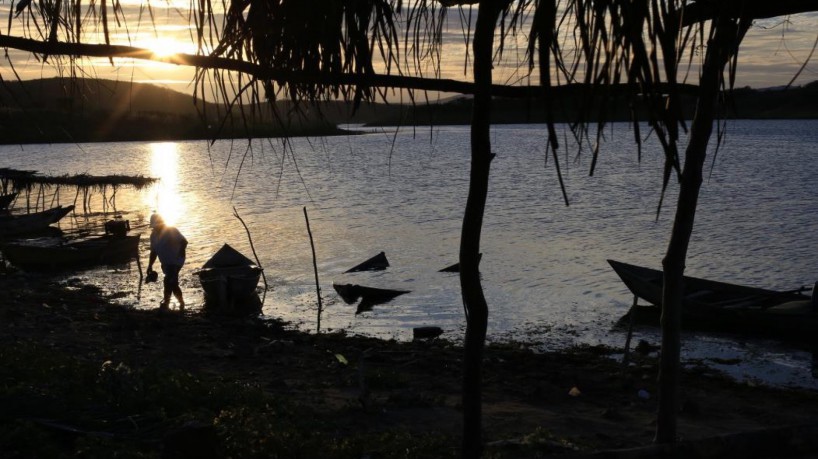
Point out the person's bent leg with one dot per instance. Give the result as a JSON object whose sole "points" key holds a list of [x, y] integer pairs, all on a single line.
{"points": [[172, 285], [177, 292], [166, 292]]}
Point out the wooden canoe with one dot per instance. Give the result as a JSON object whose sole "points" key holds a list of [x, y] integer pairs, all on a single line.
{"points": [[721, 306], [17, 224], [229, 280], [55, 254]]}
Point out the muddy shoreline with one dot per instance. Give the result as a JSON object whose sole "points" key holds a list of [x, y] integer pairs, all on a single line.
{"points": [[534, 403]]}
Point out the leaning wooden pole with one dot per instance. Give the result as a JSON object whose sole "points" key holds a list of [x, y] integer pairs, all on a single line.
{"points": [[474, 301], [724, 39], [315, 269], [252, 247]]}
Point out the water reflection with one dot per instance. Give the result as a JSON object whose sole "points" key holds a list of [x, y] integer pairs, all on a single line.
{"points": [[165, 197]]}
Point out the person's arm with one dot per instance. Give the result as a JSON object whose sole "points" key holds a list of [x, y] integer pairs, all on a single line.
{"points": [[151, 259], [182, 245]]}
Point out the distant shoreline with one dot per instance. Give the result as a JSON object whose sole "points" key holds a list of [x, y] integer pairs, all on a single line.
{"points": [[95, 110], [506, 123], [322, 132]]}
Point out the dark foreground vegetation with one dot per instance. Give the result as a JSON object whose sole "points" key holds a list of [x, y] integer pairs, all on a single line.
{"points": [[82, 377]]}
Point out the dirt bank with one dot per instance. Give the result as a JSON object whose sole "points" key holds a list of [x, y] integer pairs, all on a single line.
{"points": [[362, 396]]}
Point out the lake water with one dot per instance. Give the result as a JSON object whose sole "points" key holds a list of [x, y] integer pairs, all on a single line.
{"points": [[544, 264]]}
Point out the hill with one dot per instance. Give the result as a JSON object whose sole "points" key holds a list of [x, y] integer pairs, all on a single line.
{"points": [[744, 103], [96, 110], [777, 103], [88, 110]]}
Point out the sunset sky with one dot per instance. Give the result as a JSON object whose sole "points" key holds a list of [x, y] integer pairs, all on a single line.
{"points": [[771, 54]]}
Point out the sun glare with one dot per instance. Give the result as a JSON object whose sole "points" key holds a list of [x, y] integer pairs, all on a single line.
{"points": [[164, 46], [164, 198]]}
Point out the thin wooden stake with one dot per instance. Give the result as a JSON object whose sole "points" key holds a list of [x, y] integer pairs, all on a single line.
{"points": [[315, 268], [39, 194], [631, 314], [139, 265], [252, 247]]}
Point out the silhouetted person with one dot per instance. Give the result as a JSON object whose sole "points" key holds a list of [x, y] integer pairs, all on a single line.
{"points": [[168, 244]]}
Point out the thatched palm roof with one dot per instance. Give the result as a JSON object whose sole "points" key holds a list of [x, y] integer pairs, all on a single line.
{"points": [[20, 180]]}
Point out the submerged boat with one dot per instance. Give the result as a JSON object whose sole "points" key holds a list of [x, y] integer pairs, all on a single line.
{"points": [[229, 280], [720, 306], [455, 268], [54, 254], [13, 225], [376, 263], [369, 296]]}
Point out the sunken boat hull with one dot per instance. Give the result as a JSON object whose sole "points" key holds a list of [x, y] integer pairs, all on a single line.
{"points": [[376, 263], [369, 296]]}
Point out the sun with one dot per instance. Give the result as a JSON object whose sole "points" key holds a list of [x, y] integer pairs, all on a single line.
{"points": [[164, 46]]}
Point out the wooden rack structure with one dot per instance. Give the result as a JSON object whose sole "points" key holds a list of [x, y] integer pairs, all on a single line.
{"points": [[31, 183]]}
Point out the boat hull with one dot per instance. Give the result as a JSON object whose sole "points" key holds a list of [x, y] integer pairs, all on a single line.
{"points": [[719, 306], [369, 296], [376, 263], [13, 225], [229, 281], [73, 255]]}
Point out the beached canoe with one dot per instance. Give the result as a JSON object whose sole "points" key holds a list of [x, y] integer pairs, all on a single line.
{"points": [[17, 224], [46, 254], [229, 280], [721, 306]]}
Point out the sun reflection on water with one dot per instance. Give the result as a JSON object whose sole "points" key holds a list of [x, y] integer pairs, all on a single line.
{"points": [[165, 198]]}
